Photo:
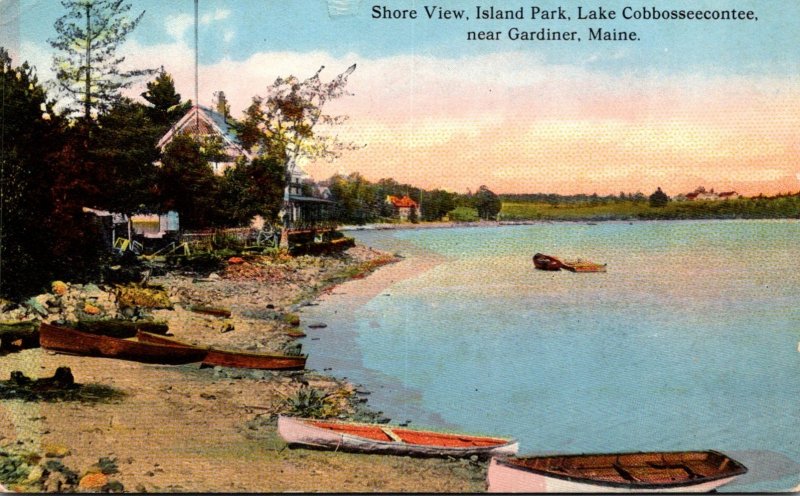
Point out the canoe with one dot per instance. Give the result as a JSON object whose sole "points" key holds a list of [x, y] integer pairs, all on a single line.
{"points": [[218, 311], [546, 262], [582, 266], [233, 358], [682, 471], [391, 440], [67, 340]]}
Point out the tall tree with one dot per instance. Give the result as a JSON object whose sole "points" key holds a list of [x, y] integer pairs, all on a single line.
{"points": [[487, 203], [43, 231], [167, 106], [659, 198], [283, 122], [87, 67]]}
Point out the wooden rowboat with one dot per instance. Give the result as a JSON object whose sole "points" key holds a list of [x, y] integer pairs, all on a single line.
{"points": [[233, 358], [546, 262], [582, 266], [682, 471], [67, 340], [385, 439]]}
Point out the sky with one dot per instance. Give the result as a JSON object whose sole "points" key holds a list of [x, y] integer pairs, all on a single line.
{"points": [[712, 103]]}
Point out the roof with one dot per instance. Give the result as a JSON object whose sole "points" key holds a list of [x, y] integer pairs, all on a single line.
{"points": [[213, 119], [401, 202]]}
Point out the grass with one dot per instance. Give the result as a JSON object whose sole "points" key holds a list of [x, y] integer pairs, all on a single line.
{"points": [[743, 208]]}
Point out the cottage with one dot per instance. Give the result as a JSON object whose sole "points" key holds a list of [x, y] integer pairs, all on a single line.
{"points": [[205, 122], [403, 206], [301, 211]]}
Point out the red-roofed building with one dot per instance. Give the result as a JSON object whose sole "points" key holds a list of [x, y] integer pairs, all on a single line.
{"points": [[403, 206]]}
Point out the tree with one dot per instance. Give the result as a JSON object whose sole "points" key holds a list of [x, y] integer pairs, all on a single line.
{"points": [[250, 189], [42, 227], [487, 203], [659, 199], [187, 184], [87, 67], [165, 100], [283, 123], [124, 147]]}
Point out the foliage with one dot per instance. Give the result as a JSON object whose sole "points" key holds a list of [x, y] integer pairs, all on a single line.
{"points": [[413, 217], [659, 199], [42, 190], [785, 206], [87, 67], [436, 204], [486, 203], [282, 123], [463, 214], [187, 184], [166, 102], [254, 188], [311, 403], [124, 146]]}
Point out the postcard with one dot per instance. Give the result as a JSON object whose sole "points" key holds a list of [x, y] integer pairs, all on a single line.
{"points": [[399, 246]]}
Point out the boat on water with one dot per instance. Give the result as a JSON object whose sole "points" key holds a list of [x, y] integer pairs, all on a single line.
{"points": [[660, 471], [67, 340], [582, 266], [232, 358], [386, 439], [546, 262]]}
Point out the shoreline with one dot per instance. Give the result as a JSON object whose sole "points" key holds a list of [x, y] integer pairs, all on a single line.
{"points": [[184, 428], [505, 223]]}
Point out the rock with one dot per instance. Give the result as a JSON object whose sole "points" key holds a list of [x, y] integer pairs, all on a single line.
{"points": [[56, 451], [317, 325], [226, 326], [91, 309], [34, 475], [56, 482], [59, 287], [113, 487], [92, 290], [93, 481], [214, 276]]}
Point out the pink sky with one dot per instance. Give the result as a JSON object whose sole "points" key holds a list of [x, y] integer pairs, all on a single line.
{"points": [[456, 123]]}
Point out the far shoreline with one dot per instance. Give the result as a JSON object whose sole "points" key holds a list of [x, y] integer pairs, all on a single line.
{"points": [[505, 223]]}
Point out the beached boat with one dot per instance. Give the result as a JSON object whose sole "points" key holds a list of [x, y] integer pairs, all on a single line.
{"points": [[385, 439], [218, 311], [582, 266], [67, 340], [546, 262], [683, 471], [233, 358]]}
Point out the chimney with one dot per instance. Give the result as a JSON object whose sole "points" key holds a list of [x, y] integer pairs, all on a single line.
{"points": [[221, 104]]}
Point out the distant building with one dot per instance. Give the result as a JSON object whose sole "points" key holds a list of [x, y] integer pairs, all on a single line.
{"points": [[403, 205], [700, 194]]}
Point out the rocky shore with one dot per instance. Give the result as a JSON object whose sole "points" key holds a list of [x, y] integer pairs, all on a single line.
{"points": [[183, 428]]}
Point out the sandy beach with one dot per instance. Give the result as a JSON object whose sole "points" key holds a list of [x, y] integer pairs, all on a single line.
{"points": [[186, 428]]}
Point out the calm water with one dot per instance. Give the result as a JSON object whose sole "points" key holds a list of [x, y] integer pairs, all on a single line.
{"points": [[689, 341]]}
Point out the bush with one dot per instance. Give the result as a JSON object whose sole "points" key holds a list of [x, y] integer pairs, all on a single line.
{"points": [[463, 214]]}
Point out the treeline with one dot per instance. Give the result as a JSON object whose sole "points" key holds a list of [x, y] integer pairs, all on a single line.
{"points": [[360, 201], [577, 199]]}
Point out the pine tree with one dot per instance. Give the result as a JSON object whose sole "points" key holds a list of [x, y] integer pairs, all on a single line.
{"points": [[166, 102], [87, 67]]}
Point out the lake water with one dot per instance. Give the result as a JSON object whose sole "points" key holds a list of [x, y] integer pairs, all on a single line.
{"points": [[689, 341]]}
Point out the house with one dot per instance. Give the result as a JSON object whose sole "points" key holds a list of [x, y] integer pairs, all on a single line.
{"points": [[403, 206], [701, 194], [206, 122], [303, 210]]}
